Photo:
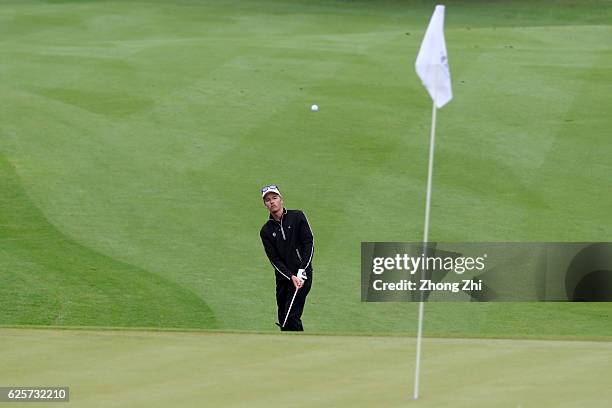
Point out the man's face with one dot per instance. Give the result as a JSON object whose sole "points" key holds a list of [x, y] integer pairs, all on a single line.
{"points": [[273, 202]]}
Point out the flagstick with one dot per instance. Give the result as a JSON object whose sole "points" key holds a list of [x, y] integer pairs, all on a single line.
{"points": [[417, 372]]}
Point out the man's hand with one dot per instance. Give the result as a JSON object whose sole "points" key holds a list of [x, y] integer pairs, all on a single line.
{"points": [[297, 282], [302, 274]]}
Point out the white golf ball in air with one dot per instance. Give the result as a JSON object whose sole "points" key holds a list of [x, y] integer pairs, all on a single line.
{"points": [[314, 108]]}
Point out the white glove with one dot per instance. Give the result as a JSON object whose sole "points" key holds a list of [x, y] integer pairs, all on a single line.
{"points": [[302, 274]]}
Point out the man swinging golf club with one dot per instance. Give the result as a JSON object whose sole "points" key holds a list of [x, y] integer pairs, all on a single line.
{"points": [[289, 245]]}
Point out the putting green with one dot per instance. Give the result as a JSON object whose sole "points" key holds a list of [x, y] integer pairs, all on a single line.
{"points": [[162, 369]]}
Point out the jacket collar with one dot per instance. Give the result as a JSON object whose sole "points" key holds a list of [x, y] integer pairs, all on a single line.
{"points": [[272, 218]]}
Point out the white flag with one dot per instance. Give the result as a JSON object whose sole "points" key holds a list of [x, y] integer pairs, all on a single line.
{"points": [[432, 61]]}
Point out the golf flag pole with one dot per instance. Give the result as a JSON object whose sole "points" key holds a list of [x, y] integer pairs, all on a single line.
{"points": [[432, 67]]}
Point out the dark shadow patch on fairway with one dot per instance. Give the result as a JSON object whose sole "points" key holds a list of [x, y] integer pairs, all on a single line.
{"points": [[49, 279], [594, 287], [106, 103], [589, 275]]}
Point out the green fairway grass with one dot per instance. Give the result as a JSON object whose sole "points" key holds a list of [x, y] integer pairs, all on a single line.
{"points": [[135, 136], [49, 279], [146, 369]]}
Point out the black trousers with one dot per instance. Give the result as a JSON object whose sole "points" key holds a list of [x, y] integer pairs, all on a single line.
{"points": [[284, 294]]}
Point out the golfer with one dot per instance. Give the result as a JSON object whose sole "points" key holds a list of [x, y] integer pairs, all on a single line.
{"points": [[289, 245]]}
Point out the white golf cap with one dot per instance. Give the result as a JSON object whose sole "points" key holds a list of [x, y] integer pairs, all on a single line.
{"points": [[270, 189]]}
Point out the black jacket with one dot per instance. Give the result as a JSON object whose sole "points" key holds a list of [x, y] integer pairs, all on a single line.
{"points": [[289, 243]]}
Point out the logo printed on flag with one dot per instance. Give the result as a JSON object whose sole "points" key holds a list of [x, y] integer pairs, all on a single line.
{"points": [[432, 61]]}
